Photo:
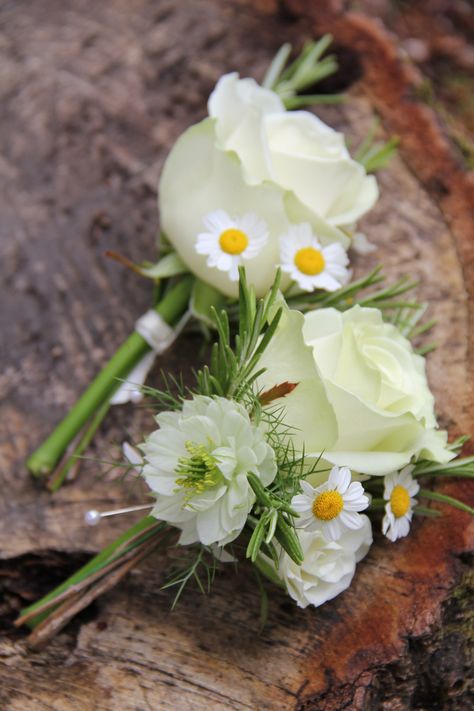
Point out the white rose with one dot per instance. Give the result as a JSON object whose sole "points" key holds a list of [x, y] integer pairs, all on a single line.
{"points": [[253, 163], [328, 566], [363, 399], [293, 149], [197, 465]]}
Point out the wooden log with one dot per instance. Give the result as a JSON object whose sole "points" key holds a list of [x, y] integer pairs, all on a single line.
{"points": [[94, 96]]}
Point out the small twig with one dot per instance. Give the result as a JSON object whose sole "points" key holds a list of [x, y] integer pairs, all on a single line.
{"points": [[124, 261]]}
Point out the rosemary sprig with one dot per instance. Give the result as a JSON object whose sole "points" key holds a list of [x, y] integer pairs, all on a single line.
{"points": [[309, 68], [456, 467], [232, 371], [445, 499], [373, 154]]}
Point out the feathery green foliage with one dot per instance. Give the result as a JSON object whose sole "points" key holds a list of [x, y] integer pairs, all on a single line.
{"points": [[289, 81]]}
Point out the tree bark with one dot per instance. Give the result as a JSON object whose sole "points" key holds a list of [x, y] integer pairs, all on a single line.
{"points": [[94, 95]]}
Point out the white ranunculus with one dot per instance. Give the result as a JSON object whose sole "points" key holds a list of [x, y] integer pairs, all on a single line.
{"points": [[251, 159], [365, 383], [197, 464], [328, 566]]}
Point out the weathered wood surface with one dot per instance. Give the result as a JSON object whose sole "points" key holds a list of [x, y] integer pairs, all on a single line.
{"points": [[93, 95]]}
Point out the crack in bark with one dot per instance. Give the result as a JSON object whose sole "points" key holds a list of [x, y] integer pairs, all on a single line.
{"points": [[434, 674]]}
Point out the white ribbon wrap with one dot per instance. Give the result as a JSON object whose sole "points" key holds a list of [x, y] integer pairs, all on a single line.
{"points": [[160, 336]]}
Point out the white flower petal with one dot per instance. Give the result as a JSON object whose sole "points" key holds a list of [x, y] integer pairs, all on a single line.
{"points": [[239, 107], [334, 273], [351, 519], [340, 479], [216, 510], [311, 159], [301, 503], [198, 180], [327, 568]]}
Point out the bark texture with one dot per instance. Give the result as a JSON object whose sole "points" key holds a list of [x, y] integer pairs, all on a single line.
{"points": [[93, 96]]}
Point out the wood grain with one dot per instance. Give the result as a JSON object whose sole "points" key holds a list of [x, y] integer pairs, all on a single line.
{"points": [[94, 96]]}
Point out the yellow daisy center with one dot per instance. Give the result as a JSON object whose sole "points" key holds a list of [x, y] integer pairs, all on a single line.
{"points": [[399, 501], [310, 261], [328, 505], [233, 241]]}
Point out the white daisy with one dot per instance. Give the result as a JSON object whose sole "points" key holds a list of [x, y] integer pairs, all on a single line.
{"points": [[309, 264], [229, 240], [400, 488], [332, 507]]}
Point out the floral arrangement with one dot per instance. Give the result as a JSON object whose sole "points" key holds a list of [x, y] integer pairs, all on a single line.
{"points": [[313, 420], [258, 184]]}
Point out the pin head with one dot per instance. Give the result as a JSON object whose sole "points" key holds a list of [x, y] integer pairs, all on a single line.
{"points": [[92, 517]]}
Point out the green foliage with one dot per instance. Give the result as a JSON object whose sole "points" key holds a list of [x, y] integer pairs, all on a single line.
{"points": [[462, 467], [445, 499], [169, 265], [232, 373], [232, 370], [204, 299], [140, 534], [403, 313], [170, 396], [197, 565], [309, 68], [374, 155]]}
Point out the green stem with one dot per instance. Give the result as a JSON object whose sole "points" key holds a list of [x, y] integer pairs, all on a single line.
{"points": [[268, 571], [45, 458], [100, 560], [377, 504], [62, 473]]}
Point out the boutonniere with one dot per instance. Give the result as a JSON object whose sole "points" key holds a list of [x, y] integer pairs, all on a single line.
{"points": [[259, 183], [302, 433]]}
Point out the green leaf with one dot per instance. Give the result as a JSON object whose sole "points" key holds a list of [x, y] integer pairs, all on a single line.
{"points": [[374, 155], [276, 67], [271, 526], [203, 299], [168, 266], [459, 443], [259, 490], [288, 539], [257, 538], [455, 467], [268, 570], [298, 102], [425, 511], [304, 72], [445, 499]]}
